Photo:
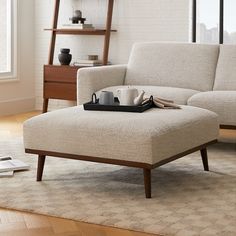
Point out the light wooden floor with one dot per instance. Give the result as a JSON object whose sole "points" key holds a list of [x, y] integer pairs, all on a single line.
{"points": [[15, 223]]}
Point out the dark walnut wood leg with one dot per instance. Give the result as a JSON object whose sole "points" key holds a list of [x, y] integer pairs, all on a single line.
{"points": [[41, 161], [205, 159], [147, 182], [45, 105]]}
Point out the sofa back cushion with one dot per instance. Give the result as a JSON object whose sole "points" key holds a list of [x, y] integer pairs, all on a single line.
{"points": [[182, 65], [226, 68]]}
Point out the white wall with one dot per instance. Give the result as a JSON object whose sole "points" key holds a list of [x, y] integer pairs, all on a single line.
{"points": [[19, 96], [135, 20]]}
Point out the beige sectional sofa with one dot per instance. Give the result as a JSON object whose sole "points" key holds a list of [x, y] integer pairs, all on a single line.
{"points": [[190, 74]]}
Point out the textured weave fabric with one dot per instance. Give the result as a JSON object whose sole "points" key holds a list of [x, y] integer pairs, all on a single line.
{"points": [[178, 65], [221, 102], [178, 95], [226, 69], [173, 71], [141, 137], [90, 80]]}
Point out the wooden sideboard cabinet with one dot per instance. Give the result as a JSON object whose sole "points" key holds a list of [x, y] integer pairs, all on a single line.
{"points": [[60, 82]]}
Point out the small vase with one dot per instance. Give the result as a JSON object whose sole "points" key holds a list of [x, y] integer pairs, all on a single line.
{"points": [[65, 57]]}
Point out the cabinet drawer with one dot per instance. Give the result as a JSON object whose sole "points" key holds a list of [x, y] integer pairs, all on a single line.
{"points": [[60, 73], [60, 91]]}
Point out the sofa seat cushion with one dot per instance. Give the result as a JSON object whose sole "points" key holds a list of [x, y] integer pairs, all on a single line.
{"points": [[221, 102], [182, 65], [138, 137], [226, 69], [178, 95]]}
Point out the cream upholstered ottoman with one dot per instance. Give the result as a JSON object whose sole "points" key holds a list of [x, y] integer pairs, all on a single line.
{"points": [[144, 140]]}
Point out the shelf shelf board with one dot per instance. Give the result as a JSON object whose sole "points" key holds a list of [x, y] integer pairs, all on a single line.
{"points": [[80, 31], [69, 66]]}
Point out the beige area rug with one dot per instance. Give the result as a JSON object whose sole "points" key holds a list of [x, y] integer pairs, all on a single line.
{"points": [[186, 200]]}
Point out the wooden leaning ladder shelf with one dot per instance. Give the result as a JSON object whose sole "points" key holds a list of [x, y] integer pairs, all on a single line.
{"points": [[60, 81]]}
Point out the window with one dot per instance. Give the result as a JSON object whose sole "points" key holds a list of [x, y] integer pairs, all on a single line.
{"points": [[229, 21], [214, 21], [7, 39], [207, 21]]}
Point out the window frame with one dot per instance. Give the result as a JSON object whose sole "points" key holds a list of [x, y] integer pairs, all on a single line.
{"points": [[221, 21], [11, 74]]}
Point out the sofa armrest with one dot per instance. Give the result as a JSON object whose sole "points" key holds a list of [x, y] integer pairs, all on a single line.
{"points": [[90, 80]]}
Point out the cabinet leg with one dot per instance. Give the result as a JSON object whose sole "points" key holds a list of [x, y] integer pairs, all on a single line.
{"points": [[147, 182], [205, 159], [41, 161], [45, 105]]}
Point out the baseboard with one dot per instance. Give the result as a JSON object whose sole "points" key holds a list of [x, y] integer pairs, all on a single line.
{"points": [[16, 106], [228, 126]]}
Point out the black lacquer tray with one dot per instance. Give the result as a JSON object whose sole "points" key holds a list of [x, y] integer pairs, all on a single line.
{"points": [[95, 106]]}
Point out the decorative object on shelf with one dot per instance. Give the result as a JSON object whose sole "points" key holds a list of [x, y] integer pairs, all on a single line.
{"points": [[93, 57], [93, 60], [65, 57], [77, 17], [78, 26], [88, 63]]}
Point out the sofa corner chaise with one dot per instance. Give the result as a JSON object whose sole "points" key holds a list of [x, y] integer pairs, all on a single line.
{"points": [[190, 74]]}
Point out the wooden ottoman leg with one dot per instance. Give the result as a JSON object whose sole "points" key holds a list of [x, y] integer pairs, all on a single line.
{"points": [[147, 182], [45, 105], [41, 161], [205, 159]]}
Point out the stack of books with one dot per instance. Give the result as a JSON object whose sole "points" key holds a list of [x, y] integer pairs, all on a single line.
{"points": [[89, 63], [9, 165], [77, 26]]}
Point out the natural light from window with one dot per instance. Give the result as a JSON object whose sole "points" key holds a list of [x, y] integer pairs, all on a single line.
{"points": [[5, 36], [230, 21], [208, 21]]}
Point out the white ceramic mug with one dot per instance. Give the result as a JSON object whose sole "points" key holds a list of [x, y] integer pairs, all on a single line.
{"points": [[126, 96]]}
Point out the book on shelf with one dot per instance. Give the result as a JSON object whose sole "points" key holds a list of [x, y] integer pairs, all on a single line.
{"points": [[89, 63], [77, 26], [12, 165]]}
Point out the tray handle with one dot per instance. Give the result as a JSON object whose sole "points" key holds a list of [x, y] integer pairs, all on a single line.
{"points": [[150, 100], [94, 98]]}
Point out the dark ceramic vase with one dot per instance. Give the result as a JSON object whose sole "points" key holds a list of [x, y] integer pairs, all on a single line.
{"points": [[65, 57]]}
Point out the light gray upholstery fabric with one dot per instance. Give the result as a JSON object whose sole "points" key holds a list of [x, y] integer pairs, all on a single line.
{"points": [[226, 69], [221, 102], [178, 95], [179, 70], [178, 65], [141, 137], [90, 80]]}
